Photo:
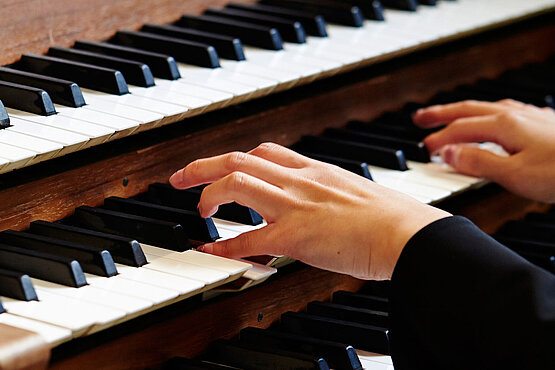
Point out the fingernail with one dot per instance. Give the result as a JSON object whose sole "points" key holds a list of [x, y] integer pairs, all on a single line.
{"points": [[450, 154], [208, 248], [200, 248]]}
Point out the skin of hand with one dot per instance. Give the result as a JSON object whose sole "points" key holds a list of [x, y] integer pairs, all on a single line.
{"points": [[316, 213], [526, 132]]}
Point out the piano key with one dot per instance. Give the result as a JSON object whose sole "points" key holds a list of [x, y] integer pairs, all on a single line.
{"points": [[191, 52], [26, 98], [13, 157], [235, 228], [250, 34], [286, 78], [188, 199], [226, 46], [365, 301], [161, 65], [428, 2], [136, 73], [375, 155], [4, 118], [541, 231], [380, 128], [91, 259], [60, 91], [421, 178], [360, 168], [51, 334], [160, 233], [219, 99], [443, 171], [370, 9], [194, 226], [16, 285], [339, 356], [347, 313], [314, 25], [366, 337], [2, 309], [44, 149], [375, 361], [42, 265], [256, 356], [291, 31], [86, 75], [339, 13], [123, 250]]}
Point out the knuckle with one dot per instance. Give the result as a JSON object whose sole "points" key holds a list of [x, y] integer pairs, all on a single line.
{"points": [[235, 181], [470, 103], [268, 147], [234, 160]]}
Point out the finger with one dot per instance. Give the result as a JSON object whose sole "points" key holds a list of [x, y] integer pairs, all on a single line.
{"points": [[512, 103], [280, 155], [470, 130], [246, 190], [476, 162], [442, 114], [208, 170]]}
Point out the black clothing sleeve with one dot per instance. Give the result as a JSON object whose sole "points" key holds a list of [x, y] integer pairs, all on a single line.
{"points": [[461, 300]]}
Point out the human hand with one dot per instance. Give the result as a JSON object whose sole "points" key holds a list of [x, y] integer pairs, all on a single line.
{"points": [[526, 132], [316, 213]]}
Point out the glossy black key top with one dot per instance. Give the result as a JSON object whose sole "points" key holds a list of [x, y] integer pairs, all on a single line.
{"points": [[226, 46], [93, 260], [428, 2], [2, 309], [291, 31], [371, 154], [415, 150], [26, 98], [164, 234], [161, 65], [365, 301], [93, 77], [135, 73], [60, 91], [4, 118], [253, 357], [17, 285], [124, 250], [45, 266], [250, 34], [339, 356], [360, 168], [333, 12], [195, 227], [348, 313], [410, 5], [366, 337], [371, 9], [191, 52], [313, 24], [188, 199], [401, 132]]}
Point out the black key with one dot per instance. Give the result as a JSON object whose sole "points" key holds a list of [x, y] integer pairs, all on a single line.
{"points": [[226, 46], [93, 260], [2, 309], [375, 155], [45, 266], [188, 199], [313, 24], [181, 363], [17, 285], [401, 132], [26, 98], [333, 12], [86, 75], [410, 5], [289, 30], [4, 118], [360, 168], [60, 91], [361, 336], [494, 91], [339, 356], [164, 234], [250, 34], [415, 150], [377, 288], [254, 357], [347, 313], [135, 73], [161, 65], [428, 2], [365, 301], [191, 52], [540, 231], [124, 250], [194, 226], [371, 9]]}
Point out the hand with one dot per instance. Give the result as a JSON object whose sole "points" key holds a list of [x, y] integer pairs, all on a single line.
{"points": [[526, 132], [316, 213]]}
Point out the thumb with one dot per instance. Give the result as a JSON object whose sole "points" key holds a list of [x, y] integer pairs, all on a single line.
{"points": [[252, 243], [476, 162]]}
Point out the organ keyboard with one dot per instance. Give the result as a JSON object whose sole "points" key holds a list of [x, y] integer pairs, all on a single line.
{"points": [[131, 86]]}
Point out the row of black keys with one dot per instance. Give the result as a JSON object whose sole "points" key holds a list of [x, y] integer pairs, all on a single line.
{"points": [[323, 337], [35, 82], [93, 239], [392, 139]]}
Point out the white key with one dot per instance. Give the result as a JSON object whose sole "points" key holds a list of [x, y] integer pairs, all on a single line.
{"points": [[286, 79], [258, 272], [218, 98], [410, 188], [162, 93], [227, 234], [277, 60], [44, 149], [442, 171], [412, 176], [375, 357], [51, 334], [14, 157]]}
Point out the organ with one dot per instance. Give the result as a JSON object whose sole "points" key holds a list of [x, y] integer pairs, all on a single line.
{"points": [[355, 74]]}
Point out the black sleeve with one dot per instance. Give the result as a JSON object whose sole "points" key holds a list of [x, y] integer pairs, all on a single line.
{"points": [[461, 300]]}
